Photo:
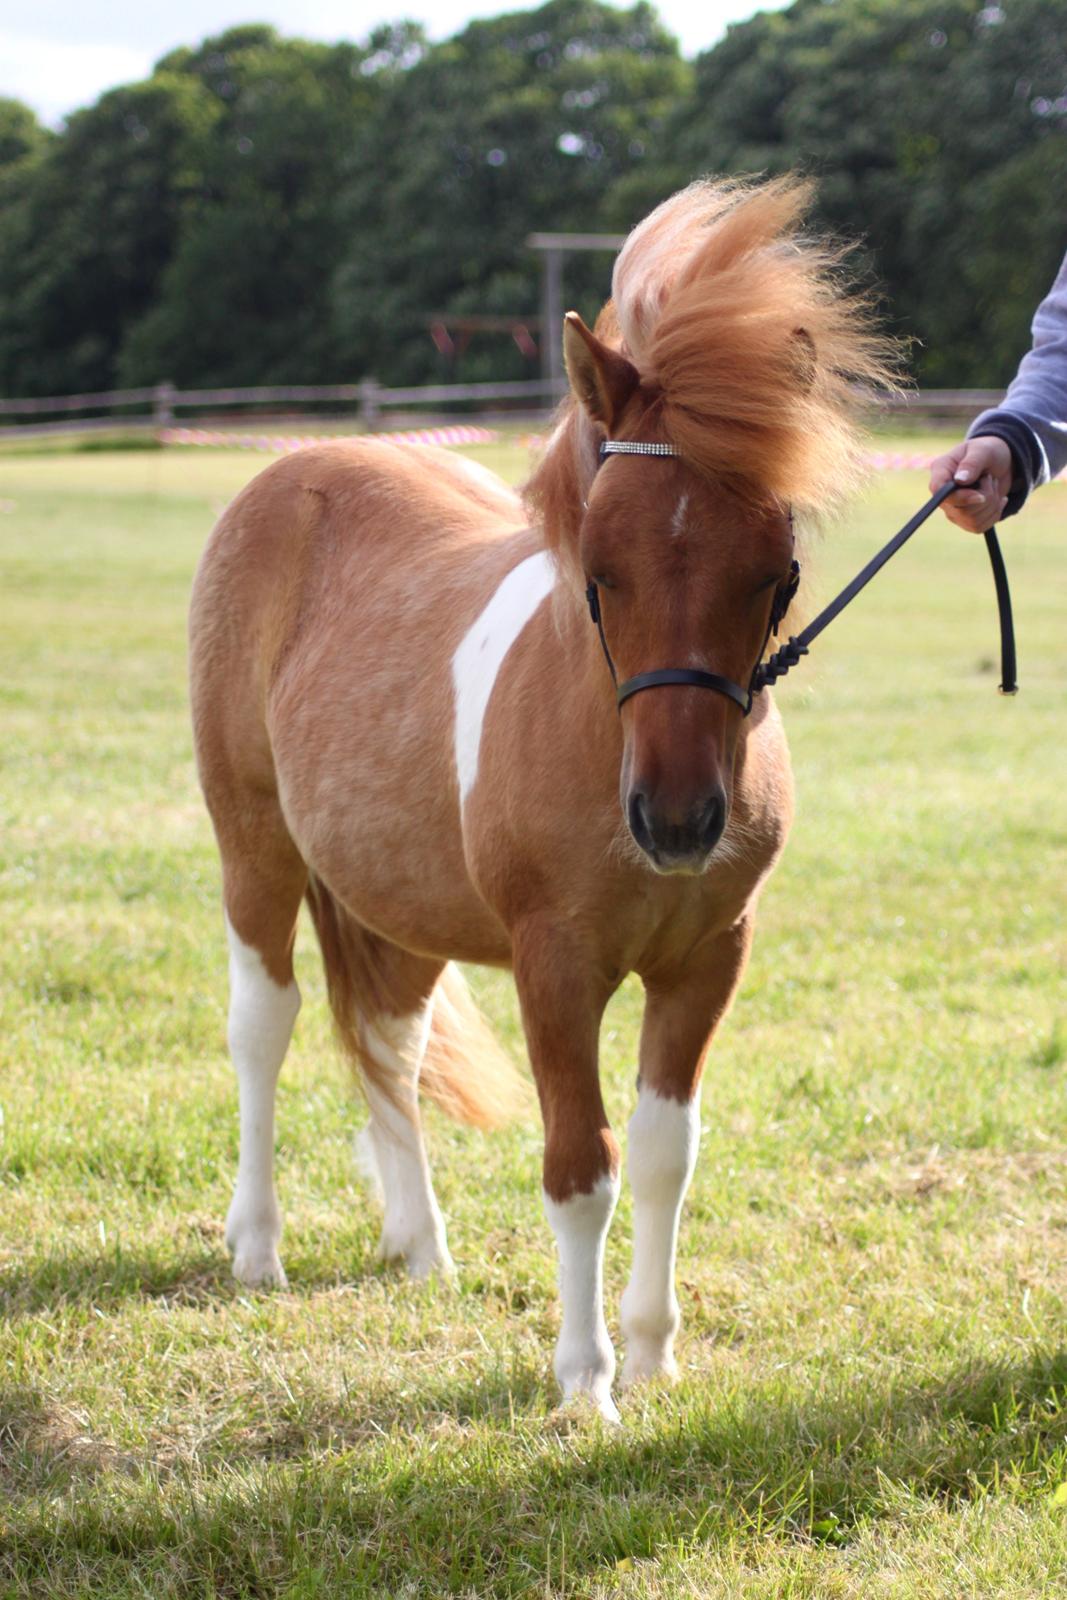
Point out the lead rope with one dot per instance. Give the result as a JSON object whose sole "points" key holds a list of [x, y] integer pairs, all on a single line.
{"points": [[778, 664]]}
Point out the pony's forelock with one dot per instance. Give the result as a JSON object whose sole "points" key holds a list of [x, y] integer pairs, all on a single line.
{"points": [[648, 264], [742, 323]]}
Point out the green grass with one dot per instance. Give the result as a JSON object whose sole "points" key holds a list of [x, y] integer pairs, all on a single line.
{"points": [[874, 1256]]}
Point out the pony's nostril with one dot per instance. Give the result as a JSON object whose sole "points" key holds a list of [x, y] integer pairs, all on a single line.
{"points": [[673, 838], [639, 820], [712, 821]]}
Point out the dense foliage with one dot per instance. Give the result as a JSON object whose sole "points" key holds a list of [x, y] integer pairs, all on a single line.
{"points": [[265, 209]]}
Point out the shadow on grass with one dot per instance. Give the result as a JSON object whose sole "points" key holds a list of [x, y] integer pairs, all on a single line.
{"points": [[473, 1487], [106, 1281], [111, 1278]]}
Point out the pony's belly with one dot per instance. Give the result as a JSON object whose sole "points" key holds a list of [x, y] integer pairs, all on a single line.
{"points": [[413, 891], [452, 930]]}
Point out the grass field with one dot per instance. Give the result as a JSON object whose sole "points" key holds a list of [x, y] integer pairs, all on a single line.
{"points": [[874, 1255]]}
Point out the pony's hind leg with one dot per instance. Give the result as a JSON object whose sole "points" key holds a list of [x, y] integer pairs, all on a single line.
{"points": [[664, 1131], [263, 882], [382, 998], [413, 1229]]}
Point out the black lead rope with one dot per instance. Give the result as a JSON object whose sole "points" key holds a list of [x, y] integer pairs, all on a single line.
{"points": [[795, 648], [1009, 683], [777, 665]]}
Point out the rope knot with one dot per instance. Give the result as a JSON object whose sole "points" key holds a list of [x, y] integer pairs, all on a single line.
{"points": [[777, 665]]}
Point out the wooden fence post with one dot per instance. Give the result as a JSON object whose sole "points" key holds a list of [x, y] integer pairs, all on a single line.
{"points": [[370, 410], [163, 404]]}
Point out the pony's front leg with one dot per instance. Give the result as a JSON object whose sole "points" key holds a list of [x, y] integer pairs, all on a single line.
{"points": [[664, 1132], [562, 1005]]}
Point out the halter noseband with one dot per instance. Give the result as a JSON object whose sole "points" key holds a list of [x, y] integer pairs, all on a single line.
{"points": [[691, 676], [788, 654]]}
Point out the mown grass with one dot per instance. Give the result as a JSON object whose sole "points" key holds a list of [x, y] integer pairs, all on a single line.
{"points": [[874, 1392]]}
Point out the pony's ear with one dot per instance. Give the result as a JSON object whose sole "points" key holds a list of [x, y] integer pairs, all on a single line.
{"points": [[805, 357], [602, 379]]}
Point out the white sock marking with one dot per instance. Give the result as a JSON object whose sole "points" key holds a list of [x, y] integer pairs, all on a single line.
{"points": [[262, 1014], [662, 1151], [585, 1360], [392, 1144], [481, 653]]}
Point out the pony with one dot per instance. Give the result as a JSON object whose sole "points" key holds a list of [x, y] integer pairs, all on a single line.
{"points": [[403, 716]]}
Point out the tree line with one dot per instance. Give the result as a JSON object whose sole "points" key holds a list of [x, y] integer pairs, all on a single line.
{"points": [[268, 210]]}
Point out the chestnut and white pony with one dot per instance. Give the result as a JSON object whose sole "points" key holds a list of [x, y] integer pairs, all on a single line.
{"points": [[402, 714]]}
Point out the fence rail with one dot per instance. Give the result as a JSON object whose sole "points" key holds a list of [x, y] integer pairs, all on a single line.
{"points": [[159, 403], [370, 397]]}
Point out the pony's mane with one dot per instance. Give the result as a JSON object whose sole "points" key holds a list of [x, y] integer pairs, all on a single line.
{"points": [[739, 323]]}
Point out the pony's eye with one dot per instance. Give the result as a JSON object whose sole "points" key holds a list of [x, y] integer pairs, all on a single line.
{"points": [[604, 580]]}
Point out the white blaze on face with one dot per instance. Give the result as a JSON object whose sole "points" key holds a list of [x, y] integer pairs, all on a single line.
{"points": [[482, 651], [679, 516]]}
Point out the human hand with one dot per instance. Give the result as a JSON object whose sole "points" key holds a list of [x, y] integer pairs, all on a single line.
{"points": [[987, 463]]}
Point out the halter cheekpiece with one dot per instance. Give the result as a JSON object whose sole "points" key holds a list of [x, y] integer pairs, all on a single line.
{"points": [[788, 654]]}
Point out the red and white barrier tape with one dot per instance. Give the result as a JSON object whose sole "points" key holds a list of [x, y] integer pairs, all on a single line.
{"points": [[280, 444], [898, 461]]}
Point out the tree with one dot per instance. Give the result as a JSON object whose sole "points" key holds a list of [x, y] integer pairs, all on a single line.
{"points": [[245, 297], [518, 124], [907, 111], [265, 209], [184, 227], [21, 134], [93, 222]]}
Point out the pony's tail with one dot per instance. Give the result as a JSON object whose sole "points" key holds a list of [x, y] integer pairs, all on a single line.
{"points": [[464, 1070]]}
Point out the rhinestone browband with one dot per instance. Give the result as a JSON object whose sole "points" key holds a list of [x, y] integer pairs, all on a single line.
{"points": [[634, 447]]}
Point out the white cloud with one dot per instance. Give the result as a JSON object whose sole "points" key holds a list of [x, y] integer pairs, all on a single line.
{"points": [[55, 76]]}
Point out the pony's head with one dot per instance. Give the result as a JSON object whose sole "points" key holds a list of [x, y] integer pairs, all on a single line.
{"points": [[729, 340]]}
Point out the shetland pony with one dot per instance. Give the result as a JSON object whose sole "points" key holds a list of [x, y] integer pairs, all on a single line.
{"points": [[403, 715]]}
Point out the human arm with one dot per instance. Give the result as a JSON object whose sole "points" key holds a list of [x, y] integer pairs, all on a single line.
{"points": [[1023, 442]]}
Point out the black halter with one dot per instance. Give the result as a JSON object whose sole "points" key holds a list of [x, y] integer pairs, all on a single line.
{"points": [[778, 664], [694, 676]]}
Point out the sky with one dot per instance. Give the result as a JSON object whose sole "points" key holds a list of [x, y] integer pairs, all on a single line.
{"points": [[57, 55]]}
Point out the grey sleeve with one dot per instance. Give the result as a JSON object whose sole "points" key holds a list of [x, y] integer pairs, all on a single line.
{"points": [[1036, 399]]}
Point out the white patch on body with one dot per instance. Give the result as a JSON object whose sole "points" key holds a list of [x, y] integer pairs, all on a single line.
{"points": [[678, 516], [391, 1148], [585, 1360], [481, 654], [262, 1014], [662, 1151]]}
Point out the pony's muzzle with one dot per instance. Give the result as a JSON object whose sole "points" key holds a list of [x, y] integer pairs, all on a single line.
{"points": [[673, 842]]}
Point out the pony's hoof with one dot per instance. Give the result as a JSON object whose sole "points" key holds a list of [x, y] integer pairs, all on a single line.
{"points": [[584, 1403], [433, 1263], [257, 1264], [253, 1232], [645, 1362], [424, 1257]]}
